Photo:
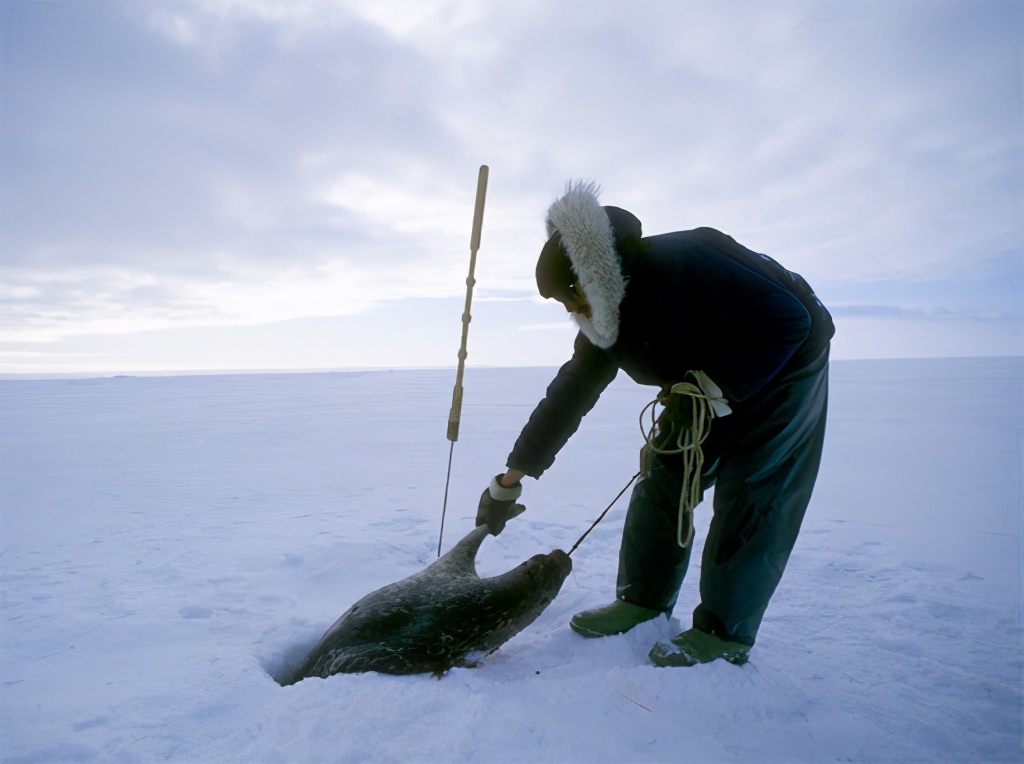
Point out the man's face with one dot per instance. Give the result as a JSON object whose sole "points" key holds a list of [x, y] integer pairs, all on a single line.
{"points": [[576, 301]]}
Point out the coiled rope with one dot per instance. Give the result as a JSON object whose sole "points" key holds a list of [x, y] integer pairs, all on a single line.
{"points": [[687, 441], [675, 437]]}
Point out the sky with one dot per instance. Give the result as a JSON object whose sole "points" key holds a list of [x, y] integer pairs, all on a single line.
{"points": [[241, 184]]}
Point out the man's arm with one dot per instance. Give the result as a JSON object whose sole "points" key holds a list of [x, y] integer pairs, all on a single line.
{"points": [[570, 396], [511, 477]]}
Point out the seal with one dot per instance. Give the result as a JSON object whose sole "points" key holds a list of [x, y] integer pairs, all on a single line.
{"points": [[435, 619]]}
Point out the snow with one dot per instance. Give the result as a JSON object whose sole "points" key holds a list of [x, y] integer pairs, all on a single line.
{"points": [[169, 544]]}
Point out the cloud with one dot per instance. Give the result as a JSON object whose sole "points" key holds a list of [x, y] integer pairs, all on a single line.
{"points": [[990, 289], [914, 314], [217, 155], [243, 162]]}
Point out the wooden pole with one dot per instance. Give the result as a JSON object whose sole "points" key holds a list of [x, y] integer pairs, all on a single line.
{"points": [[455, 414]]}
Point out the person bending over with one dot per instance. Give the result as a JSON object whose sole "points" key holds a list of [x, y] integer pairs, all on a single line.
{"points": [[738, 347]]}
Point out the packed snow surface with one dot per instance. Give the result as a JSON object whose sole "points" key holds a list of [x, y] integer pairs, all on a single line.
{"points": [[171, 544]]}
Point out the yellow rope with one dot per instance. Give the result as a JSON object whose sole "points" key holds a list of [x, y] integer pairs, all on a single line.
{"points": [[687, 441]]}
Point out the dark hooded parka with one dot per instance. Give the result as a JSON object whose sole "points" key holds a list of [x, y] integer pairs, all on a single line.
{"points": [[661, 307]]}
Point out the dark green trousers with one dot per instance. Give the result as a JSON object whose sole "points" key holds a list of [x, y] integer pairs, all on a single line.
{"points": [[763, 465]]}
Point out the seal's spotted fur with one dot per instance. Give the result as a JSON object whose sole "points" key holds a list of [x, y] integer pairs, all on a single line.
{"points": [[434, 619]]}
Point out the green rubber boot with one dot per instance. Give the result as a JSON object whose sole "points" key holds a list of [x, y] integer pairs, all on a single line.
{"points": [[694, 646], [616, 618]]}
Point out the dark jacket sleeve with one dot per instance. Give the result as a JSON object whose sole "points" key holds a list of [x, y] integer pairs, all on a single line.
{"points": [[572, 393]]}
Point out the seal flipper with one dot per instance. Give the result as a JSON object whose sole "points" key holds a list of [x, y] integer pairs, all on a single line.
{"points": [[460, 560]]}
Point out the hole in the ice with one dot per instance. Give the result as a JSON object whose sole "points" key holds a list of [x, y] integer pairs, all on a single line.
{"points": [[284, 665]]}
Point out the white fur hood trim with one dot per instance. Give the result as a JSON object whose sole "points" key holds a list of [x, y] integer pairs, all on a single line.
{"points": [[590, 244]]}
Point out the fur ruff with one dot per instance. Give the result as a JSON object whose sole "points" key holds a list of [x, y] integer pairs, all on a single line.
{"points": [[590, 244]]}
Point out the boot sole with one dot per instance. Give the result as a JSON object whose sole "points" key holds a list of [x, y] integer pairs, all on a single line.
{"points": [[583, 631], [662, 655]]}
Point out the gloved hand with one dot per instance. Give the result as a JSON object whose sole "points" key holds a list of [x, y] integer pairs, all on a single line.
{"points": [[498, 505]]}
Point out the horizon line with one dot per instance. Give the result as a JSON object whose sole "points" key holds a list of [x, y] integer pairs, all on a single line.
{"points": [[131, 373]]}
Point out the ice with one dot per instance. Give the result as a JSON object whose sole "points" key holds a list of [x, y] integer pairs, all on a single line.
{"points": [[168, 543]]}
